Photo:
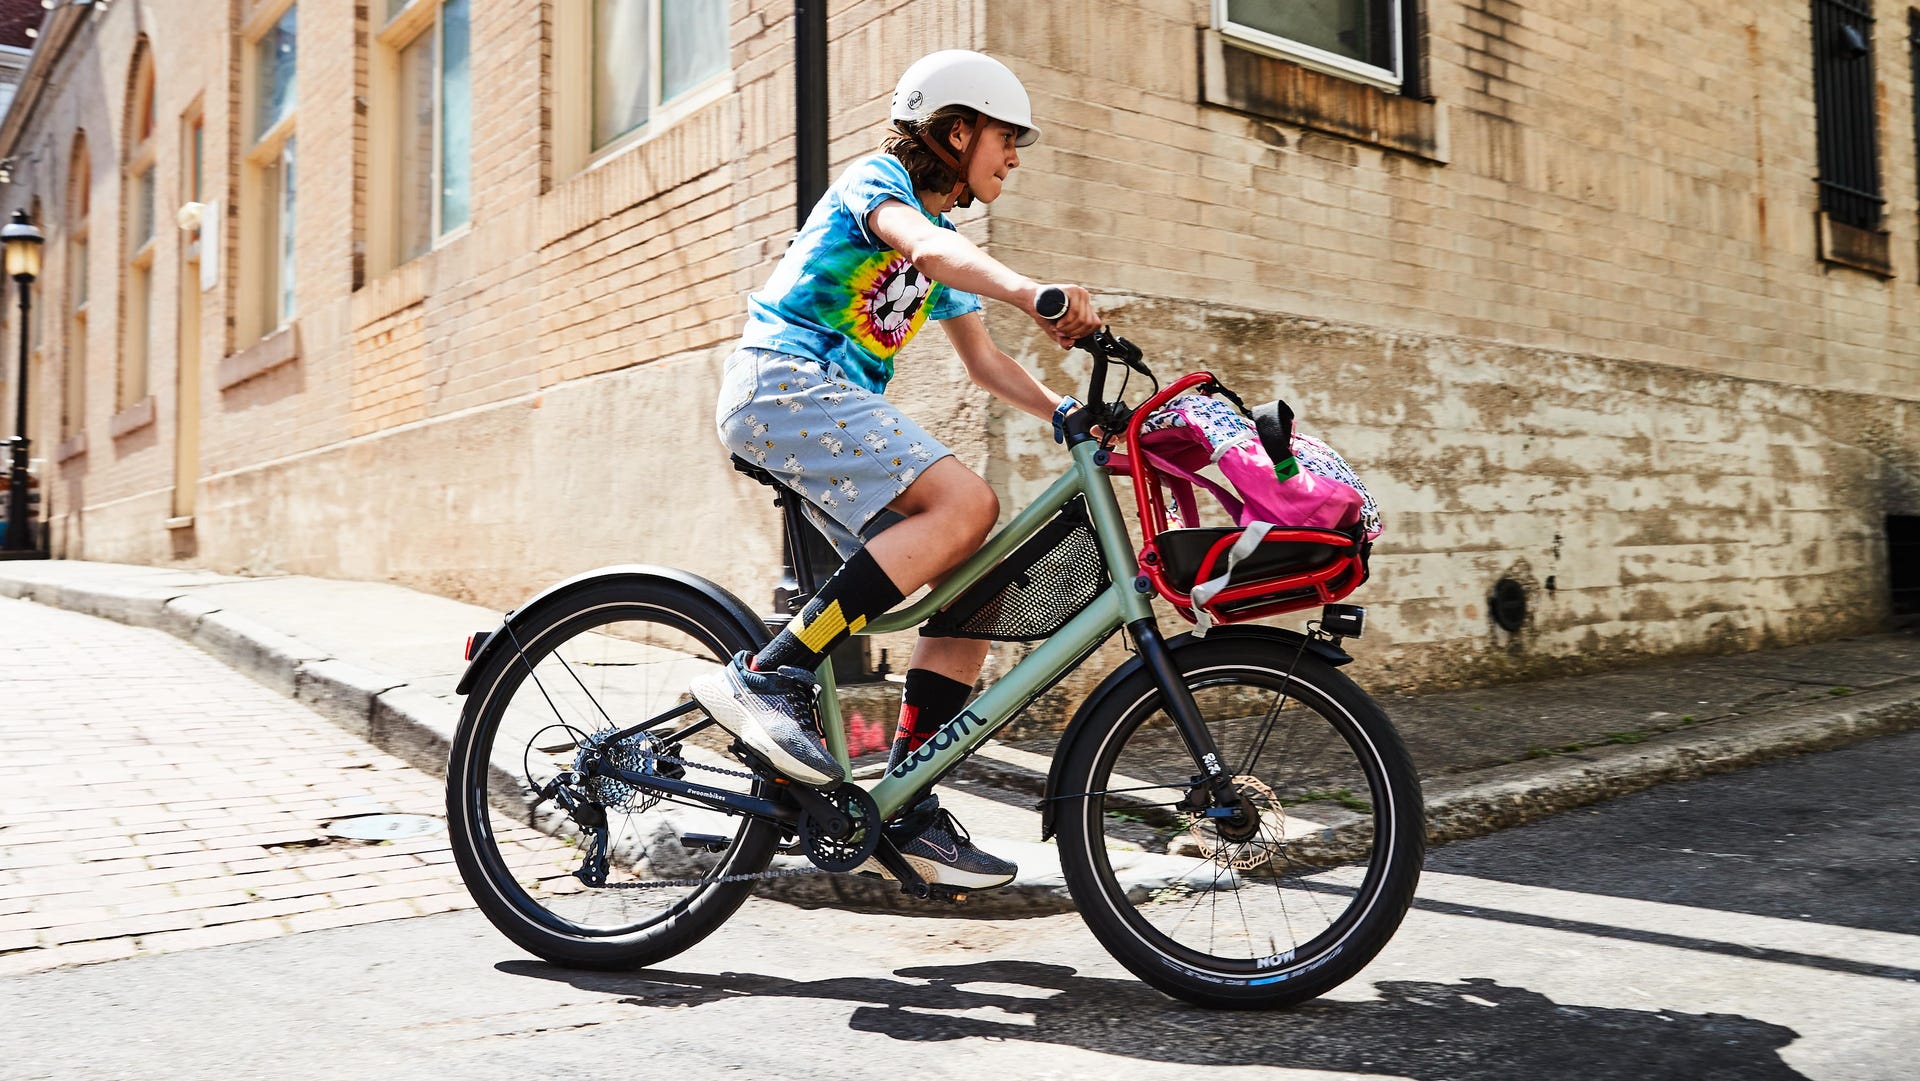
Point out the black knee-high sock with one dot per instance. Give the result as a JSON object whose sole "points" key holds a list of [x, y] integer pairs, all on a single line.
{"points": [[930, 701], [856, 593]]}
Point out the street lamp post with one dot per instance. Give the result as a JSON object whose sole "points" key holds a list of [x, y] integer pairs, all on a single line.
{"points": [[22, 245]]}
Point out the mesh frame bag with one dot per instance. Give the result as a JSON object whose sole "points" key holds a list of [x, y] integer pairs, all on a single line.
{"points": [[1041, 585]]}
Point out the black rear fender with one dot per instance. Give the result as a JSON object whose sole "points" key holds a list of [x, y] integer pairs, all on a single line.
{"points": [[750, 626]]}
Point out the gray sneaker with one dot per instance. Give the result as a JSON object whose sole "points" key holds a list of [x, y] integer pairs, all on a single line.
{"points": [[771, 712], [940, 851]]}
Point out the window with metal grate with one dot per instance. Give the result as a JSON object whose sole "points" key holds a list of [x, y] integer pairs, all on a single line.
{"points": [[1844, 112], [1913, 59]]}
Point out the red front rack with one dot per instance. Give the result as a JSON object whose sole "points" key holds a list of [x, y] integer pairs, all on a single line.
{"points": [[1290, 579]]}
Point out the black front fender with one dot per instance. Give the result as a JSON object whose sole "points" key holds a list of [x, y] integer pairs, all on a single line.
{"points": [[1281, 638], [750, 625]]}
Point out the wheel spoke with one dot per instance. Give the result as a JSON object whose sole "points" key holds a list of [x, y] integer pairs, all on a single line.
{"points": [[599, 685], [1310, 808]]}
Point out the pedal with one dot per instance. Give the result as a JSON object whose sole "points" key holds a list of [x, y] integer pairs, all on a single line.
{"points": [[948, 894], [710, 842]]}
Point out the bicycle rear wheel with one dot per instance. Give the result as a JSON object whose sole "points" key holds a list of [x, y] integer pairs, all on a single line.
{"points": [[575, 675], [1248, 914]]}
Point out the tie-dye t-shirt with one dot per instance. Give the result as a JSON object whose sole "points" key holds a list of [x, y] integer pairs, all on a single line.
{"points": [[840, 295]]}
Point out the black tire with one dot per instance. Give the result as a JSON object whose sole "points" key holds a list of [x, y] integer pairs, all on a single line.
{"points": [[1340, 842], [590, 662]]}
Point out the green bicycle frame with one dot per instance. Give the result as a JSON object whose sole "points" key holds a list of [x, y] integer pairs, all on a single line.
{"points": [[1119, 606]]}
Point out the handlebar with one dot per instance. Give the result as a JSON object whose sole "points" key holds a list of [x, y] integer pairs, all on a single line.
{"points": [[1051, 303], [1105, 347]]}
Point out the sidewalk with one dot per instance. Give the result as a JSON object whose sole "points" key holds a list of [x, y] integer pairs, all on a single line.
{"points": [[381, 662]]}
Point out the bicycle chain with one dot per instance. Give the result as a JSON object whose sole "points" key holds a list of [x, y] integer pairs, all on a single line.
{"points": [[680, 883]]}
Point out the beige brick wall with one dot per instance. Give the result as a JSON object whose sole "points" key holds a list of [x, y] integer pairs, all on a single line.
{"points": [[1595, 344], [1596, 347], [1619, 185]]}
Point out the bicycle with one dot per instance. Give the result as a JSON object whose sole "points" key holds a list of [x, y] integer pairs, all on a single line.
{"points": [[602, 821]]}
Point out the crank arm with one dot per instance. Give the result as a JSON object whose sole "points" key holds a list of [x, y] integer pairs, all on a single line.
{"points": [[889, 856], [830, 818]]}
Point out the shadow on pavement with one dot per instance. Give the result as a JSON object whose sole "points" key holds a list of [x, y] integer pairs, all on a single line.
{"points": [[1827, 838], [1425, 1031]]}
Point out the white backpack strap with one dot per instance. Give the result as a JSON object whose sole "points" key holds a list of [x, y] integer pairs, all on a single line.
{"points": [[1204, 592]]}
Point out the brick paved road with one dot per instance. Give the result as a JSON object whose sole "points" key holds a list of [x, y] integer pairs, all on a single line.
{"points": [[151, 799]]}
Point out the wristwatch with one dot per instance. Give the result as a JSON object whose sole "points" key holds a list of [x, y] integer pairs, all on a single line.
{"points": [[1067, 405]]}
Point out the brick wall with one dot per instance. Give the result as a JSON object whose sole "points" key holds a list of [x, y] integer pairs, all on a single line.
{"points": [[1629, 180], [1588, 344]]}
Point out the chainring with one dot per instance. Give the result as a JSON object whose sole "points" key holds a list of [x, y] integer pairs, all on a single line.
{"points": [[852, 847]]}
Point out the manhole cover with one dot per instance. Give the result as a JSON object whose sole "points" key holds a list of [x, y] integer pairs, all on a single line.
{"points": [[384, 827]]}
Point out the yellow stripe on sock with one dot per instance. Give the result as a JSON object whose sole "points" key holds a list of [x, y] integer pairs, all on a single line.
{"points": [[823, 628]]}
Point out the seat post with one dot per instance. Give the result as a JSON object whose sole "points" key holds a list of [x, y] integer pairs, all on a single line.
{"points": [[797, 584]]}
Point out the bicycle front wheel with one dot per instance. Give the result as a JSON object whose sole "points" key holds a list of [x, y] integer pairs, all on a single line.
{"points": [[581, 868], [1263, 911]]}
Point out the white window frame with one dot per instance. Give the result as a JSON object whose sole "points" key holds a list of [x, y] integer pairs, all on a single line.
{"points": [[573, 70], [134, 382], [73, 393], [262, 225], [1320, 59], [417, 18]]}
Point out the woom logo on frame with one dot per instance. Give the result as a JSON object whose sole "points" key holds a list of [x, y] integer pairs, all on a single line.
{"points": [[956, 730]]}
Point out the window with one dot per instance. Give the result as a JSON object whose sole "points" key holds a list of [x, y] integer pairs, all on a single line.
{"points": [[1359, 39], [1353, 68], [73, 398], [623, 67], [423, 127], [268, 174], [1913, 60], [139, 188], [631, 77], [1844, 112]]}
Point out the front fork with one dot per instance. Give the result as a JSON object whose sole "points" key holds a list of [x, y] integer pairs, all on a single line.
{"points": [[1213, 789]]}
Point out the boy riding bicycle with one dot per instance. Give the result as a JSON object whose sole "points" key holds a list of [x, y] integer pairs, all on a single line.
{"points": [[802, 397]]}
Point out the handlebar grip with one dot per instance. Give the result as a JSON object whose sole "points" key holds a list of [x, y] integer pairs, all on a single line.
{"points": [[1051, 303]]}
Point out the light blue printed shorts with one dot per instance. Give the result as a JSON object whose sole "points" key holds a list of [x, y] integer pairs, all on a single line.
{"points": [[849, 451]]}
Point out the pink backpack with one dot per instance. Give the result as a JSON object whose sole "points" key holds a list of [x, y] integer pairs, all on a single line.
{"points": [[1310, 487]]}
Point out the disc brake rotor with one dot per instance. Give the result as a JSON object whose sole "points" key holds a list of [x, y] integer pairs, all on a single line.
{"points": [[1268, 841]]}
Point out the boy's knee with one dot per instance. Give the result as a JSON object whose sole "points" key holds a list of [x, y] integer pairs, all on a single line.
{"points": [[981, 508]]}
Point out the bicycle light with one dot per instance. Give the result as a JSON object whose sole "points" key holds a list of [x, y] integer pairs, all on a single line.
{"points": [[476, 642], [1343, 620]]}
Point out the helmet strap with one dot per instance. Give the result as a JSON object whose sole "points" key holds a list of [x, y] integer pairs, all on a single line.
{"points": [[961, 194]]}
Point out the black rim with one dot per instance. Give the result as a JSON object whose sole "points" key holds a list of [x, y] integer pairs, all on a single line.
{"points": [[510, 685], [1357, 901]]}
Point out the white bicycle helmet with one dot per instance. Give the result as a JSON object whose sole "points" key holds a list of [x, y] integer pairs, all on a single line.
{"points": [[964, 77]]}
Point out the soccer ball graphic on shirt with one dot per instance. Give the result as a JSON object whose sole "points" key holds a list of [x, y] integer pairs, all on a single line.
{"points": [[895, 300]]}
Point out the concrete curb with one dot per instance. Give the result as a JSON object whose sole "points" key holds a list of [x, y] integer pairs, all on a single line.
{"points": [[1485, 801], [417, 726]]}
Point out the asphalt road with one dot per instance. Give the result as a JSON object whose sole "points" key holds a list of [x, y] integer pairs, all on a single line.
{"points": [[1758, 925]]}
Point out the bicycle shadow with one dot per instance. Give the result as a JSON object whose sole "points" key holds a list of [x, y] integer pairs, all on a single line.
{"points": [[1421, 1030]]}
